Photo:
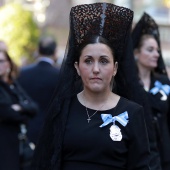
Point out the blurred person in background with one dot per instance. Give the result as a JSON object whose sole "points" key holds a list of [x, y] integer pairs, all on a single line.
{"points": [[16, 108], [39, 80], [153, 77]]}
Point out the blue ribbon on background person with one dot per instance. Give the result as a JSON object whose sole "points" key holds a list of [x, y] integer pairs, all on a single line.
{"points": [[159, 86], [121, 118]]}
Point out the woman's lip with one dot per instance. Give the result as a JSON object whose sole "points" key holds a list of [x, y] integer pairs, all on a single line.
{"points": [[96, 78]]}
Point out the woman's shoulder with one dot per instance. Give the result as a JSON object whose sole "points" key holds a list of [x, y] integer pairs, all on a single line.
{"points": [[133, 110], [128, 105], [69, 100], [162, 78]]}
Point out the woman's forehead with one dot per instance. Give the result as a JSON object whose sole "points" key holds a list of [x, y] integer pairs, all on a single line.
{"points": [[97, 48]]}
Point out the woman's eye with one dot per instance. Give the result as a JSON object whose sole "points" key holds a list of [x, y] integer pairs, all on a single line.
{"points": [[150, 49], [88, 61], [104, 61]]}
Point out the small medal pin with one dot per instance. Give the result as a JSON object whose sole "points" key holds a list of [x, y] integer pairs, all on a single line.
{"points": [[164, 96], [115, 133]]}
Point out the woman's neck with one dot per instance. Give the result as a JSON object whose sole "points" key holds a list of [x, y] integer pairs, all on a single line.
{"points": [[102, 101], [96, 97]]}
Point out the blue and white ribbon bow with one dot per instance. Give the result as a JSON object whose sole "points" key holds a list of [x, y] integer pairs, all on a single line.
{"points": [[121, 118], [158, 87]]}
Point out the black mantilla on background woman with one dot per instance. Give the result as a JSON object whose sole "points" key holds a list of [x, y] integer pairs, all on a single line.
{"points": [[154, 79], [88, 125]]}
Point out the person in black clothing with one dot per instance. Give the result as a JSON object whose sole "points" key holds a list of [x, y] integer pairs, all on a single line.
{"points": [[16, 109], [89, 127], [39, 81], [154, 79]]}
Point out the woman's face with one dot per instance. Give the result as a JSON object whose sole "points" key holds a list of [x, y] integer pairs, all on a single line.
{"points": [[147, 56], [96, 67], [4, 65]]}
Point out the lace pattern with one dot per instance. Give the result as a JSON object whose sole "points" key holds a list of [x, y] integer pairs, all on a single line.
{"points": [[105, 19], [148, 26]]}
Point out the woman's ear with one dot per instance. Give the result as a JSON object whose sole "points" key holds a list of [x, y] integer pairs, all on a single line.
{"points": [[115, 68], [77, 67]]}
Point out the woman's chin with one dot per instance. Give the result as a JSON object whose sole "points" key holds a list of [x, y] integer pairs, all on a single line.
{"points": [[96, 89]]}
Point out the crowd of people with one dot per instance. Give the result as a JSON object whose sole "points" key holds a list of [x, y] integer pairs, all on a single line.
{"points": [[107, 107]]}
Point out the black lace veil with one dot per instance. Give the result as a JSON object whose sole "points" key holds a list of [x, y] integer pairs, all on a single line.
{"points": [[147, 25], [113, 23]]}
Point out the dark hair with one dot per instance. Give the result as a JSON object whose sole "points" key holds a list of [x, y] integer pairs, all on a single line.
{"points": [[142, 39], [47, 46], [14, 69], [93, 40]]}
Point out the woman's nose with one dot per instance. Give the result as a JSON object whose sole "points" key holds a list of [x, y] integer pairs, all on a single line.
{"points": [[96, 67], [156, 53]]}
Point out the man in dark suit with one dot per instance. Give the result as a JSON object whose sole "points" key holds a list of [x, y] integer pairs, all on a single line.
{"points": [[40, 80]]}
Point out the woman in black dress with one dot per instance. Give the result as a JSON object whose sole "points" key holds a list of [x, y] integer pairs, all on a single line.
{"points": [[153, 77], [89, 127], [16, 108]]}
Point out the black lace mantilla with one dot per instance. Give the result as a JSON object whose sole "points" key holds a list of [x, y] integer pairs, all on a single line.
{"points": [[150, 27], [146, 25], [104, 19]]}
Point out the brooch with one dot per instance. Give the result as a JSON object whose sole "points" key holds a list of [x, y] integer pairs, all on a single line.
{"points": [[115, 131]]}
